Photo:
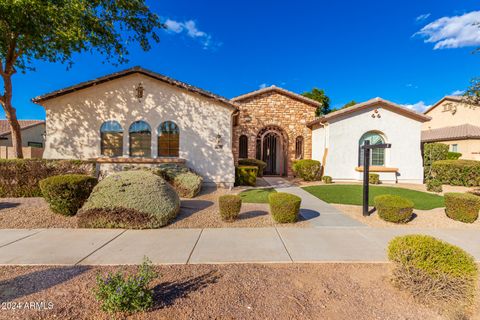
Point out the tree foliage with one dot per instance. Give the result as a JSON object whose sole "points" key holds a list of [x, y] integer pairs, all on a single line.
{"points": [[349, 104], [54, 30], [320, 96], [472, 94]]}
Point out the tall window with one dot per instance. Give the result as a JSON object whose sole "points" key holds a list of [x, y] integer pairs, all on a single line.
{"points": [[140, 139], [111, 139], [299, 147], [243, 152], [377, 157], [168, 139]]}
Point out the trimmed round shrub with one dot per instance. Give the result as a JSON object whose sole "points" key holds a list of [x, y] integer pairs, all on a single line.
{"points": [[432, 269], [246, 176], [229, 206], [135, 199], [66, 193], [284, 207], [308, 170], [434, 185], [462, 207], [374, 178], [327, 179], [394, 208], [261, 165]]}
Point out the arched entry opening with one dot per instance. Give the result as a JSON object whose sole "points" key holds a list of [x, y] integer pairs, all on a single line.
{"points": [[272, 149]]}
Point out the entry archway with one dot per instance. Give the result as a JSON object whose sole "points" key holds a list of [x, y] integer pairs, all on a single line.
{"points": [[272, 146]]}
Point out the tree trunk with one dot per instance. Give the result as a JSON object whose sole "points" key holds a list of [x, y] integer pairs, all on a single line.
{"points": [[11, 116]]}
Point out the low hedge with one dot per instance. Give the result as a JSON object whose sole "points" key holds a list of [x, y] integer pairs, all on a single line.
{"points": [[20, 177], [374, 178], [453, 155], [457, 172], [284, 207], [434, 185], [327, 179], [261, 165], [246, 175], [432, 269], [66, 193], [229, 206], [462, 207], [308, 170], [393, 208]]}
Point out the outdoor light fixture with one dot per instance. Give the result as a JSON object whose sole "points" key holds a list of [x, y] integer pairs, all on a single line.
{"points": [[139, 91]]}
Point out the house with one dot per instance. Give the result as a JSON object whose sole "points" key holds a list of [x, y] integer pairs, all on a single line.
{"points": [[32, 131], [456, 123], [338, 136], [140, 117]]}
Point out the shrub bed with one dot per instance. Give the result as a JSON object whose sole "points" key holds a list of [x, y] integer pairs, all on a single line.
{"points": [[284, 207], [261, 165], [457, 172], [462, 207], [327, 179], [67, 193], [393, 208], [246, 175], [433, 152], [434, 185], [433, 270], [121, 195], [374, 178], [308, 170], [229, 206], [20, 177]]}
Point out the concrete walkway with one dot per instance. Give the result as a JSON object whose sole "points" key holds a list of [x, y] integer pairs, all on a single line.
{"points": [[222, 245], [317, 212]]}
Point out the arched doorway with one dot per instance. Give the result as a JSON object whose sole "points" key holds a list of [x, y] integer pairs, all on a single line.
{"points": [[272, 148]]}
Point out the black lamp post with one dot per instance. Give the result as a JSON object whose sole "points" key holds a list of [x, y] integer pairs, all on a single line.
{"points": [[366, 170]]}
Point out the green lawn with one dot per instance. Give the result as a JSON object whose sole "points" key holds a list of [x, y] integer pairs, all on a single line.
{"points": [[256, 195], [352, 194]]}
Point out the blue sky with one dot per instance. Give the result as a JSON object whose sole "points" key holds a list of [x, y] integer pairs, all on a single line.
{"points": [[352, 49]]}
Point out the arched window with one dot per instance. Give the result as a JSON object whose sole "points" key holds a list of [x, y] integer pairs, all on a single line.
{"points": [[243, 148], [111, 139], [140, 139], [168, 139], [377, 157], [299, 147]]}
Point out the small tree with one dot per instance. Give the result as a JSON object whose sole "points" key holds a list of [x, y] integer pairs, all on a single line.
{"points": [[320, 96], [53, 30], [472, 94]]}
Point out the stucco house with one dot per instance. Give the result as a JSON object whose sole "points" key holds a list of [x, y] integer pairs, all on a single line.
{"points": [[32, 132], [456, 123], [140, 117]]}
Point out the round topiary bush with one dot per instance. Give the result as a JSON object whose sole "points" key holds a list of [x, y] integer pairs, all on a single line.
{"points": [[135, 199], [284, 207], [261, 165], [394, 208], [434, 185], [66, 193], [327, 179], [229, 206], [374, 178], [462, 207], [308, 170], [432, 269]]}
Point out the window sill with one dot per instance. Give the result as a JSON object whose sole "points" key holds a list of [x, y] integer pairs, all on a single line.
{"points": [[377, 169], [140, 160]]}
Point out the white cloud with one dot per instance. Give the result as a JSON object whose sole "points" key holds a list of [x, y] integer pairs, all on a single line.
{"points": [[419, 106], [410, 85], [190, 29], [457, 93], [453, 32], [422, 17], [263, 85]]}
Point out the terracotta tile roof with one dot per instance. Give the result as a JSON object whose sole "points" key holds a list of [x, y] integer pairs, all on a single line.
{"points": [[5, 127], [130, 71], [281, 91], [375, 101], [465, 131]]}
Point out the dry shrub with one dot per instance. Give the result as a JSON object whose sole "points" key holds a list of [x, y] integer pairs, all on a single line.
{"points": [[120, 218]]}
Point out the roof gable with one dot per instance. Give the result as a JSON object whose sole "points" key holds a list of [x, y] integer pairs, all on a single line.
{"points": [[127, 72], [446, 98], [282, 91], [370, 103]]}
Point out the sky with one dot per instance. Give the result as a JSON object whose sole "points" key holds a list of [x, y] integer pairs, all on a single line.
{"points": [[410, 52]]}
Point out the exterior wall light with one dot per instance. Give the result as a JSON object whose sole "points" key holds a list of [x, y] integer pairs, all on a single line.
{"points": [[139, 91]]}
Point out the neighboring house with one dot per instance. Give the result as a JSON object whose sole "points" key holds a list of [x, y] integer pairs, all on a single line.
{"points": [[337, 138], [33, 132], [455, 123], [140, 117]]}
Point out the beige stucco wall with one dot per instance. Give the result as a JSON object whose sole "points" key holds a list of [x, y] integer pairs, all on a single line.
{"points": [[74, 120], [463, 114], [32, 134], [470, 149]]}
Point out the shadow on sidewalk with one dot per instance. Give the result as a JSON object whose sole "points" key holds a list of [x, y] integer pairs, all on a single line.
{"points": [[37, 281]]}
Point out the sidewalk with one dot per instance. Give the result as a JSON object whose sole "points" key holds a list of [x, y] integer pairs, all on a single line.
{"points": [[222, 245]]}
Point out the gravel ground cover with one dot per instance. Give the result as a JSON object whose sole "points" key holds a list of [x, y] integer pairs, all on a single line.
{"points": [[244, 291]]}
